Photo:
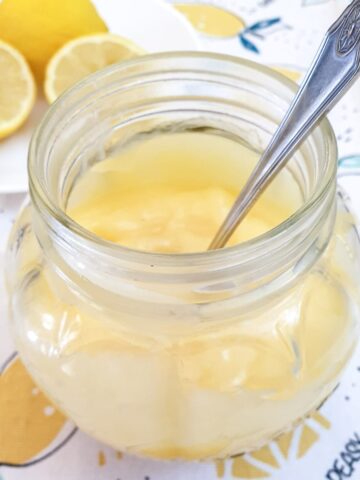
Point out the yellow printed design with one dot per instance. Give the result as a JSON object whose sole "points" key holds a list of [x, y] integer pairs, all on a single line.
{"points": [[102, 458], [221, 23], [212, 20], [31, 427], [262, 463]]}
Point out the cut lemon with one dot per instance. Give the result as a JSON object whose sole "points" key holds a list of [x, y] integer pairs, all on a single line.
{"points": [[17, 89], [82, 56], [38, 28]]}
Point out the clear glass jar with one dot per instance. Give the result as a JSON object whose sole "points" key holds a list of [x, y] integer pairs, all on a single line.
{"points": [[193, 355]]}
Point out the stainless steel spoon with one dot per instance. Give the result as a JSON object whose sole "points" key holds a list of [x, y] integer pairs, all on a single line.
{"points": [[334, 69]]}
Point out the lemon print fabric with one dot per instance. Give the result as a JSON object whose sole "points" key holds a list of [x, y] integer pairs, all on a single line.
{"points": [[38, 28], [31, 427], [271, 459], [218, 22], [211, 20]]}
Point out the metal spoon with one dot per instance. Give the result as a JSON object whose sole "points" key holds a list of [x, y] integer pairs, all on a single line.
{"points": [[333, 70]]}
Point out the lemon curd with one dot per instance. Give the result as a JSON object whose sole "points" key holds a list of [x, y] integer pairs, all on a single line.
{"points": [[170, 193], [184, 388], [139, 334]]}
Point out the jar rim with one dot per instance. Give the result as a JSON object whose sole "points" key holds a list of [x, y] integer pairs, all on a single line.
{"points": [[38, 189]]}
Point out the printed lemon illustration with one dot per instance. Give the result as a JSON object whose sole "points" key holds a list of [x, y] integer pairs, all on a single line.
{"points": [[30, 424], [38, 28], [82, 56], [265, 462], [17, 90], [211, 20], [219, 22]]}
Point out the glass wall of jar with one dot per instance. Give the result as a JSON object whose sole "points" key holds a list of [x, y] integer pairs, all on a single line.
{"points": [[182, 356]]}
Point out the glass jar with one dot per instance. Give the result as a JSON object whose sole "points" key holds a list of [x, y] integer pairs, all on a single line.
{"points": [[189, 356]]}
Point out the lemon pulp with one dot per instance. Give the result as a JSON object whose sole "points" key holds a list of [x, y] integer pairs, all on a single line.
{"points": [[81, 57], [17, 90]]}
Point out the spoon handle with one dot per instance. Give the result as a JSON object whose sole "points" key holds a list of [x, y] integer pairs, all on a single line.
{"points": [[333, 70]]}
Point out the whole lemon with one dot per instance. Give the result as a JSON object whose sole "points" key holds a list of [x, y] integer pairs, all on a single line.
{"points": [[38, 28]]}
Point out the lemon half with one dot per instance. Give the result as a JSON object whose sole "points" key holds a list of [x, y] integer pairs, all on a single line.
{"points": [[17, 89], [82, 56]]}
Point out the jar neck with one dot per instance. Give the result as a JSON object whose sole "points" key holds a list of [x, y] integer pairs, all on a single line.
{"points": [[194, 94], [267, 266]]}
